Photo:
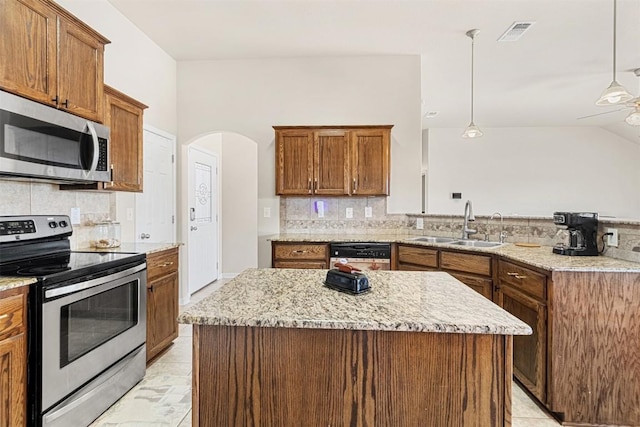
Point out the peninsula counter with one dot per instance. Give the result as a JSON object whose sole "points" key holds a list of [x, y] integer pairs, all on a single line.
{"points": [[276, 347]]}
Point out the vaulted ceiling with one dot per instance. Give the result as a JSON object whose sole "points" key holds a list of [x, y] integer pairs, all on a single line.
{"points": [[549, 77]]}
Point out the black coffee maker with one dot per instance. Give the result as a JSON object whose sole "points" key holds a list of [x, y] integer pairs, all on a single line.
{"points": [[579, 238]]}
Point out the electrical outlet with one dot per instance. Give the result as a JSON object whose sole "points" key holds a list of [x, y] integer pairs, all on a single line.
{"points": [[419, 223], [349, 212], [74, 216], [368, 212], [612, 240], [129, 214], [266, 212]]}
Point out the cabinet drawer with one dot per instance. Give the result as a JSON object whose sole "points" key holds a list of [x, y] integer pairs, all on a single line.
{"points": [[418, 256], [478, 264], [160, 264], [11, 313], [482, 285], [300, 264], [522, 278], [300, 251]]}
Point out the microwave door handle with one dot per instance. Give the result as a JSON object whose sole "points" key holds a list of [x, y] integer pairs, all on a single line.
{"points": [[96, 149]]}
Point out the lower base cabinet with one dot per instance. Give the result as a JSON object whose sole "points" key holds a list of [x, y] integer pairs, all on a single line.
{"points": [[162, 300], [299, 255], [13, 357]]}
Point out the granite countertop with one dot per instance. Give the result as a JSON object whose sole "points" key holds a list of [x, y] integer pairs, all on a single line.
{"points": [[398, 301], [7, 283], [541, 257], [134, 247]]}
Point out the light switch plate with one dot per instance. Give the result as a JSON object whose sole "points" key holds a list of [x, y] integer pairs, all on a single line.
{"points": [[419, 223], [368, 212], [266, 212], [349, 212]]}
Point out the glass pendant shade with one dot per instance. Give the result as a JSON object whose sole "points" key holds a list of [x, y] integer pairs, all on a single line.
{"points": [[634, 118], [614, 94], [472, 131]]}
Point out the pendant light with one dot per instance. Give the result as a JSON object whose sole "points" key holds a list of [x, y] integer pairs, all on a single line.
{"points": [[615, 93], [472, 131]]}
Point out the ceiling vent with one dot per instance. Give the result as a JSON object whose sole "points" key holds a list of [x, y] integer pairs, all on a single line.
{"points": [[515, 31]]}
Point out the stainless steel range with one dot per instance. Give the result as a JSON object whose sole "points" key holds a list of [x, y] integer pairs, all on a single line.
{"points": [[87, 320]]}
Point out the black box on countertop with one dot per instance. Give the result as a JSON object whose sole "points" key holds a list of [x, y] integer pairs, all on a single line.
{"points": [[353, 283]]}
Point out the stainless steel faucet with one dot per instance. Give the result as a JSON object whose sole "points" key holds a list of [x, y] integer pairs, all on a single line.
{"points": [[468, 216], [502, 232]]}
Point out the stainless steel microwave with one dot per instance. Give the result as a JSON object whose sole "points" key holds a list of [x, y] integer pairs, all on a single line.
{"points": [[43, 143]]}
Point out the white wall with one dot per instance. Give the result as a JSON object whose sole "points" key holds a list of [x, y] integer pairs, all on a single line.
{"points": [[136, 66], [534, 171], [250, 96]]}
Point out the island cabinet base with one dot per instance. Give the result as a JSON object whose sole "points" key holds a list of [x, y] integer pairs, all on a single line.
{"points": [[251, 376]]}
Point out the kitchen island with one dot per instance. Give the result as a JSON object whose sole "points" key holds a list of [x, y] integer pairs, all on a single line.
{"points": [[276, 347]]}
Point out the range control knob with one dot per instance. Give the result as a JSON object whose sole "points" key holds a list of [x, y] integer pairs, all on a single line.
{"points": [[63, 224], [53, 224]]}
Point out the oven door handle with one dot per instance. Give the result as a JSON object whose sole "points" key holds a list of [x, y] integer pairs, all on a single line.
{"points": [[65, 290]]}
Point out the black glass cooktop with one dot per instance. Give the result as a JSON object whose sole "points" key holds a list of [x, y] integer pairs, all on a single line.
{"points": [[67, 265]]}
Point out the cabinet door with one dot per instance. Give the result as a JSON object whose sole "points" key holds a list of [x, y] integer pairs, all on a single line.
{"points": [[370, 157], [80, 71], [13, 381], [529, 351], [294, 162], [124, 118], [331, 162], [482, 285], [28, 49], [162, 313]]}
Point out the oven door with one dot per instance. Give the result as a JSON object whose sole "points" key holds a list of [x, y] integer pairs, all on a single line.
{"points": [[89, 326]]}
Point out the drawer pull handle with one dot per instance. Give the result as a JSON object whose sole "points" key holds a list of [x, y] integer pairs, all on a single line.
{"points": [[511, 274], [517, 276], [299, 252], [4, 316], [167, 264]]}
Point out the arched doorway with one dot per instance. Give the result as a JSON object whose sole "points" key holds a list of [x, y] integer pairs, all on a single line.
{"points": [[237, 193]]}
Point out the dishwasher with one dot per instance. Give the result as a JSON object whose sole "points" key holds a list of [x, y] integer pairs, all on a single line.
{"points": [[362, 255]]}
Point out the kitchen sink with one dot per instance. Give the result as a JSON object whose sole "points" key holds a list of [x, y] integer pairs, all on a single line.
{"points": [[431, 239], [477, 243]]}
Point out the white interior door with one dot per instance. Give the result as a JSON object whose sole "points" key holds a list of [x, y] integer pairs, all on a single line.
{"points": [[202, 218], [155, 206]]}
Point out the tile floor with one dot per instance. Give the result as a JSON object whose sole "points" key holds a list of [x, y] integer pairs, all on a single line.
{"points": [[163, 397]]}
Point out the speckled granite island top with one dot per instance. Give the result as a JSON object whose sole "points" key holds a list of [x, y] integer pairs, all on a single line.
{"points": [[398, 301]]}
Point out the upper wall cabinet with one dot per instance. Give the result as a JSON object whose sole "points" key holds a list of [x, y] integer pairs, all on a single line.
{"points": [[123, 115], [48, 55], [332, 160]]}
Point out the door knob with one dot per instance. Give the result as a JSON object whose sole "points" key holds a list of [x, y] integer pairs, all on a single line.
{"points": [[145, 236], [193, 228]]}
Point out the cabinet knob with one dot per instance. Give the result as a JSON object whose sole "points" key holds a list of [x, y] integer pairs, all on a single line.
{"points": [[65, 104]]}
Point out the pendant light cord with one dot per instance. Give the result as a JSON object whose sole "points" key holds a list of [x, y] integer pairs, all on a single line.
{"points": [[473, 42], [615, 2]]}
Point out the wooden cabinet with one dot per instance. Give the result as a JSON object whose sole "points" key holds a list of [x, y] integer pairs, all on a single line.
{"points": [[473, 270], [332, 160], [50, 56], [162, 300], [299, 255], [417, 258], [13, 357], [123, 115], [370, 161], [522, 292]]}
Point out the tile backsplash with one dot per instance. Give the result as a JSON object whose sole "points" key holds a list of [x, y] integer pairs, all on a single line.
{"points": [[32, 198], [300, 215]]}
